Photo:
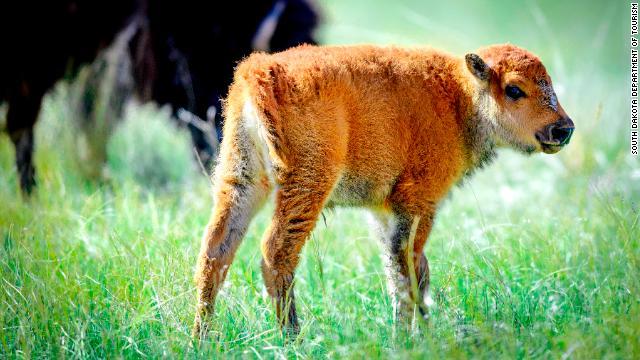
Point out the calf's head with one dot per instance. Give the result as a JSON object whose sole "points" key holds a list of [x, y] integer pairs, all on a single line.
{"points": [[517, 95]]}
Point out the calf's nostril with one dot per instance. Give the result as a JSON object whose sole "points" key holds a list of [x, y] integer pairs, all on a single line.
{"points": [[562, 135]]}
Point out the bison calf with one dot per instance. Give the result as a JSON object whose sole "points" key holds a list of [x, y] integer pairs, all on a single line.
{"points": [[386, 128]]}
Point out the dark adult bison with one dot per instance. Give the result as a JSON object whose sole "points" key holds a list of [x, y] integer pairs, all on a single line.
{"points": [[42, 41], [186, 50], [183, 52]]}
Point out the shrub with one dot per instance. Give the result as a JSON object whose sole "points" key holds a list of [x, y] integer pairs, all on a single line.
{"points": [[149, 149]]}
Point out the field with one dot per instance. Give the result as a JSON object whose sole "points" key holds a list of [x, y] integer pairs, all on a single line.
{"points": [[535, 257]]}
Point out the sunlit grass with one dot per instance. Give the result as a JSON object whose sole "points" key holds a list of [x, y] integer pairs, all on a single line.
{"points": [[535, 257]]}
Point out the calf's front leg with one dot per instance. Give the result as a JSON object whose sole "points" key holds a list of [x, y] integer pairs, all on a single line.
{"points": [[407, 269]]}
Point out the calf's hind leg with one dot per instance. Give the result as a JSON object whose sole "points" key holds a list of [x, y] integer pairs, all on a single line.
{"points": [[298, 206], [241, 186]]}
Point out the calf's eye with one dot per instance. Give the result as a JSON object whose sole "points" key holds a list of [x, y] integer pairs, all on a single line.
{"points": [[514, 92]]}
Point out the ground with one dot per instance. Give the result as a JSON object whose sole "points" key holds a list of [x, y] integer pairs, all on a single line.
{"points": [[535, 257]]}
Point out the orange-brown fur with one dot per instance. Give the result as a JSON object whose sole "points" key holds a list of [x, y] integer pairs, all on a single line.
{"points": [[387, 128]]}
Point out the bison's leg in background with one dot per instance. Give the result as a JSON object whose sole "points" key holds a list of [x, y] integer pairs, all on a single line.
{"points": [[21, 117], [407, 269], [23, 142]]}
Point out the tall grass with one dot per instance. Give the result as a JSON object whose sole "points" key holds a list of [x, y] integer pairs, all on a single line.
{"points": [[535, 257]]}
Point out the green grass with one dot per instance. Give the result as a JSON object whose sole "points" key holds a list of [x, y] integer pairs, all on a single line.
{"points": [[536, 257]]}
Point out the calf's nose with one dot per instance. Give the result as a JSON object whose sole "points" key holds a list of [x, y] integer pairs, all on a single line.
{"points": [[558, 133]]}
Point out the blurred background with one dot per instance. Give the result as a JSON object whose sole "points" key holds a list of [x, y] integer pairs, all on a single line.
{"points": [[534, 257]]}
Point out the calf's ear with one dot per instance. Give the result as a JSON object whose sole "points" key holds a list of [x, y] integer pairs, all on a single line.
{"points": [[478, 67]]}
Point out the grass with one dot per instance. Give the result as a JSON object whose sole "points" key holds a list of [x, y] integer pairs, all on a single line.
{"points": [[535, 257]]}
